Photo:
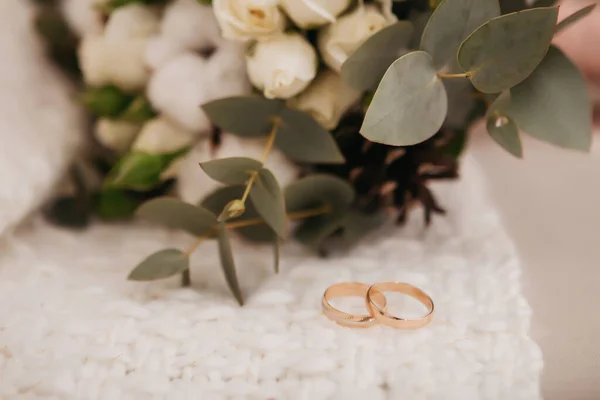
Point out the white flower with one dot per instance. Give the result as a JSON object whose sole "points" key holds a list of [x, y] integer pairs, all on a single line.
{"points": [[190, 25], [162, 136], [327, 99], [132, 21], [116, 135], [248, 19], [92, 56], [338, 41], [160, 50], [282, 66], [126, 63], [82, 16], [313, 13], [193, 183]]}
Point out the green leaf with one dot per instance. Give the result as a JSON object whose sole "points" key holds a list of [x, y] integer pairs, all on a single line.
{"points": [[268, 201], [451, 22], [544, 3], [138, 112], [276, 253], [502, 128], [115, 204], [315, 192], [510, 6], [160, 265], [553, 104], [218, 199], [228, 264], [231, 171], [303, 139], [106, 101], [506, 50], [366, 66], [574, 17], [176, 214], [140, 171], [410, 104], [244, 116]]}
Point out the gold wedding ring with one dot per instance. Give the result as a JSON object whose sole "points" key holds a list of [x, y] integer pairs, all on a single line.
{"points": [[349, 289], [383, 317]]}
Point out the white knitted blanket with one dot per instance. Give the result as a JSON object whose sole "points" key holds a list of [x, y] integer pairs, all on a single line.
{"points": [[72, 327]]}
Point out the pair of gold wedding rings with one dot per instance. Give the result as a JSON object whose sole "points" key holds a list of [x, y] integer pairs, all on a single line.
{"points": [[376, 304]]}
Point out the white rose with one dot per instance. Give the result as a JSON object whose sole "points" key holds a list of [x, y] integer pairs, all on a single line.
{"points": [[116, 135], [338, 41], [162, 136], [282, 66], [313, 13], [83, 16], [327, 99], [92, 54], [190, 24], [248, 19], [132, 21]]}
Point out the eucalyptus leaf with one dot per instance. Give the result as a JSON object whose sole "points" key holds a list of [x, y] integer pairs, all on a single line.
{"points": [[410, 104], [231, 171], [160, 265], [510, 6], [176, 214], [228, 264], [544, 3], [315, 192], [364, 69], [506, 50], [574, 17], [502, 127], [451, 22], [244, 116], [217, 200], [268, 201], [553, 104], [303, 139]]}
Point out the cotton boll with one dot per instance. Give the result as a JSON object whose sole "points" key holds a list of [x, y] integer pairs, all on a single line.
{"points": [[132, 21], [160, 50], [194, 184], [92, 58], [82, 17], [116, 135], [226, 71], [179, 88], [162, 136], [126, 63], [190, 24]]}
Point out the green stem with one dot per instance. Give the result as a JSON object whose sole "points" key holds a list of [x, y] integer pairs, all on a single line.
{"points": [[453, 76]]}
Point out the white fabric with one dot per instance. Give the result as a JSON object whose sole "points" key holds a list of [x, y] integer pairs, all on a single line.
{"points": [[40, 126], [72, 327]]}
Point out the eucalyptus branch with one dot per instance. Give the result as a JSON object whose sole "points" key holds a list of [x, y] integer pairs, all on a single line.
{"points": [[268, 148], [454, 76]]}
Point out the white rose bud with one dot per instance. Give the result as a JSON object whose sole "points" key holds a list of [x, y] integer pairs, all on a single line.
{"points": [[248, 19], [116, 135], [92, 54], [327, 99], [132, 21], [282, 66], [162, 136], [338, 41], [314, 13]]}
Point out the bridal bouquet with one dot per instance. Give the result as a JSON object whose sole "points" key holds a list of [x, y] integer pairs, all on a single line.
{"points": [[367, 100]]}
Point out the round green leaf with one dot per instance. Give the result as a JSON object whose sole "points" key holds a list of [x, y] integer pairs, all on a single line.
{"points": [[451, 22], [228, 264], [502, 127], [410, 104], [314, 192], [217, 200], [160, 265], [231, 171], [244, 116], [267, 199], [367, 65], [176, 214], [303, 139], [553, 104], [574, 17], [506, 50]]}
